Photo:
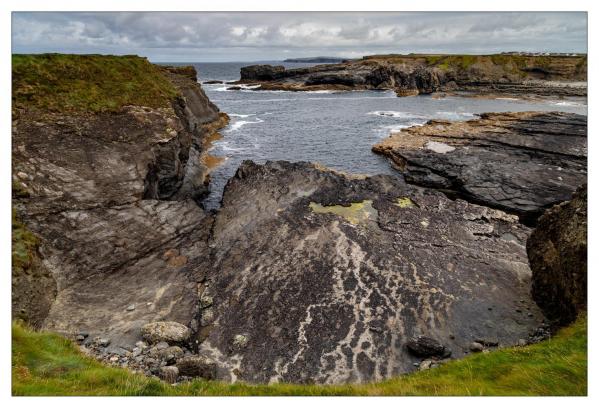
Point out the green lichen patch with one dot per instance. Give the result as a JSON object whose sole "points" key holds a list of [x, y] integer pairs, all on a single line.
{"points": [[355, 213], [404, 202]]}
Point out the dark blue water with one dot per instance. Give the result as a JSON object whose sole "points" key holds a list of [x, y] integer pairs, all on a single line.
{"points": [[336, 129]]}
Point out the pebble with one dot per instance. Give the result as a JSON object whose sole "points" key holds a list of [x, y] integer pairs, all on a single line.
{"points": [[522, 342], [80, 338], [103, 342], [131, 308], [141, 344], [476, 347]]}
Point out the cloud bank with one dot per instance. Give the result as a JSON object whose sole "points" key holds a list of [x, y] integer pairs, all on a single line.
{"points": [[252, 36]]}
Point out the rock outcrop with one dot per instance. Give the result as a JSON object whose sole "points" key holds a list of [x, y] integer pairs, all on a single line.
{"points": [[111, 198], [420, 74], [321, 277], [522, 163], [557, 252]]}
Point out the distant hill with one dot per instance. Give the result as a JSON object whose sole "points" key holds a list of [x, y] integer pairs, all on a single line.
{"points": [[332, 60]]}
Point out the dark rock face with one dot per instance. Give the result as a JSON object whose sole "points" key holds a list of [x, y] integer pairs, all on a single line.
{"points": [[324, 278], [522, 163], [97, 186], [557, 252], [423, 346], [413, 75], [262, 72]]}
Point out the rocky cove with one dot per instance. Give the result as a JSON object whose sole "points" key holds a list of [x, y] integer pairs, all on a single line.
{"points": [[304, 274]]}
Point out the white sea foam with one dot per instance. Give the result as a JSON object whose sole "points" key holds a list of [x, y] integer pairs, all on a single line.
{"points": [[398, 127], [507, 99], [395, 114], [454, 115], [239, 115], [238, 124], [567, 103]]}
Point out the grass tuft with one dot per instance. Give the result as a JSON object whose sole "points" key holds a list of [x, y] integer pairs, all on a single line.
{"points": [[47, 364]]}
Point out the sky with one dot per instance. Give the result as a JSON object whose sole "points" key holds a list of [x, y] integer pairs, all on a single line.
{"points": [[262, 36]]}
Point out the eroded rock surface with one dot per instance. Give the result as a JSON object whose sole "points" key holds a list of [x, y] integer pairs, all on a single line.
{"points": [[111, 197], [419, 74], [299, 295], [522, 163], [557, 251]]}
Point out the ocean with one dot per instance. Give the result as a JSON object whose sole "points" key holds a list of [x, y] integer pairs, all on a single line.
{"points": [[335, 129]]}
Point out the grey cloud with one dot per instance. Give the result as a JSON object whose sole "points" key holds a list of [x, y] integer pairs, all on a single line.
{"points": [[203, 36]]}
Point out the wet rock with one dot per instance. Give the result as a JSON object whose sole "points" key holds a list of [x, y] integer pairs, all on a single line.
{"points": [[169, 374], [343, 241], [197, 366], [423, 346], [521, 163], [557, 251], [169, 332]]}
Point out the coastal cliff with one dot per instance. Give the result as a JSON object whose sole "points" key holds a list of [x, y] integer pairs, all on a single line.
{"points": [[425, 74], [106, 156], [304, 274]]}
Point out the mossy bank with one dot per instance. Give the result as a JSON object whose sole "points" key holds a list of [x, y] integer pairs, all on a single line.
{"points": [[47, 364]]}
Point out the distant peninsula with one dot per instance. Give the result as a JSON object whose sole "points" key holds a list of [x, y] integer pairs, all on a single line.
{"points": [[321, 60]]}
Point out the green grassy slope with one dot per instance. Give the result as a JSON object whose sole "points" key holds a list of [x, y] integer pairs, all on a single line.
{"points": [[87, 83], [47, 364]]}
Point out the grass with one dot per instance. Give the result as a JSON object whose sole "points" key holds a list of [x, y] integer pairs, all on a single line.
{"points": [[24, 245], [47, 364], [87, 83]]}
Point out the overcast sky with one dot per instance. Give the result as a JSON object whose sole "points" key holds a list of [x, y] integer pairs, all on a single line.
{"points": [[203, 36]]}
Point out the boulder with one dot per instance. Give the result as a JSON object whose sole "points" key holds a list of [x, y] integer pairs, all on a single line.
{"points": [[423, 346], [169, 374], [521, 163], [557, 252], [170, 332], [197, 366]]}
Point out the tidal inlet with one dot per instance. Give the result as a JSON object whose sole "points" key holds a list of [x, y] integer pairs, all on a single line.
{"points": [[299, 203]]}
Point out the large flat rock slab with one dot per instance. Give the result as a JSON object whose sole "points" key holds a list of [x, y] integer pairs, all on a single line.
{"points": [[522, 163], [321, 277]]}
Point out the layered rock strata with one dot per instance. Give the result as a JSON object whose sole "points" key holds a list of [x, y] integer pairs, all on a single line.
{"points": [[111, 198], [419, 74], [522, 163]]}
